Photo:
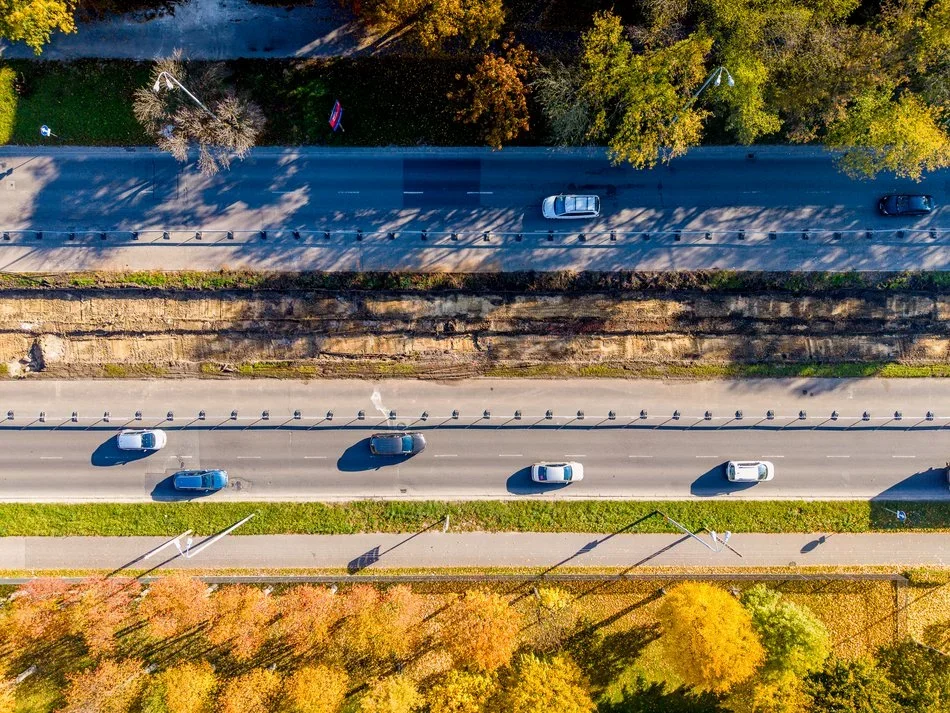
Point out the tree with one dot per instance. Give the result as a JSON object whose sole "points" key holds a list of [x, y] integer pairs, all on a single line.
{"points": [[653, 697], [708, 637], [461, 692], [432, 23], [7, 699], [496, 94], [395, 694], [480, 629], [306, 614], [315, 689], [380, 626], [881, 133], [34, 21], [229, 127], [539, 686], [174, 605], [39, 611], [103, 606], [257, 691], [794, 639], [921, 676], [187, 688], [781, 693], [856, 686], [111, 687], [240, 619]]}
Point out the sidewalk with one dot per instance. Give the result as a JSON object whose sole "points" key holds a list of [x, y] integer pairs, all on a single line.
{"points": [[434, 549]]}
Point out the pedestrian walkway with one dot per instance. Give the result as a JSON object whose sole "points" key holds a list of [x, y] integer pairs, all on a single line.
{"points": [[436, 549]]}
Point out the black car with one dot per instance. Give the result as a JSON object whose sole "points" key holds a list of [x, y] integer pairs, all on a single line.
{"points": [[398, 443], [905, 204]]}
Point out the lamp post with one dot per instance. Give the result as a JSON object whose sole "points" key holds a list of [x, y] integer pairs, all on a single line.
{"points": [[714, 78], [171, 82]]}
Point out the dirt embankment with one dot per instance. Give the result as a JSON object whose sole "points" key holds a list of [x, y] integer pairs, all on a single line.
{"points": [[122, 332]]}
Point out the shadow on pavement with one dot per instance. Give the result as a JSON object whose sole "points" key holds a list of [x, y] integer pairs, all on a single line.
{"points": [[713, 482], [925, 484], [358, 457], [108, 454], [373, 555], [810, 546], [165, 492], [520, 483]]}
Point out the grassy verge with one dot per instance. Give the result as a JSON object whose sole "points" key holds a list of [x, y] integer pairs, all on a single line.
{"points": [[513, 516]]}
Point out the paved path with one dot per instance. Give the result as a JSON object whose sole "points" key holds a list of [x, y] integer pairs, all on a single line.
{"points": [[436, 549], [454, 209], [254, 431], [213, 29]]}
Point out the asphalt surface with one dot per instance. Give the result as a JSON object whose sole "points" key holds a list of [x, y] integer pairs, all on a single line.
{"points": [[459, 209], [371, 553]]}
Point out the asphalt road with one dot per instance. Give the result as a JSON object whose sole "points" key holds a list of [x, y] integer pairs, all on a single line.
{"points": [[460, 209], [470, 462]]}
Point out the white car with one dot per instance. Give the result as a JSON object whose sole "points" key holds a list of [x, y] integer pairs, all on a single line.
{"points": [[545, 472], [569, 206], [749, 471], [142, 440]]}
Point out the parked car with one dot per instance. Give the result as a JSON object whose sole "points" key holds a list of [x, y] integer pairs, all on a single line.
{"points": [[570, 206], [200, 480], [142, 440], [545, 472], [749, 471], [398, 443], [899, 204]]}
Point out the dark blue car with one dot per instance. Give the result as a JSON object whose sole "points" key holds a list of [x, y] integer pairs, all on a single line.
{"points": [[201, 480]]}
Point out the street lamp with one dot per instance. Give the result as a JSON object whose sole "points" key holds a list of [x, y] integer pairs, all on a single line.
{"points": [[171, 82], [714, 78]]}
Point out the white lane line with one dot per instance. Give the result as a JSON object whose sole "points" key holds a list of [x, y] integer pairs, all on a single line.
{"points": [[186, 457], [51, 457], [281, 193], [574, 455], [708, 457], [903, 456], [412, 193], [837, 456], [773, 456], [510, 455], [639, 456], [248, 457], [314, 457], [348, 193], [446, 455], [480, 193]]}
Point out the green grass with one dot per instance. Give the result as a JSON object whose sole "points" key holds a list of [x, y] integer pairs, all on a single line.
{"points": [[131, 371], [514, 516]]}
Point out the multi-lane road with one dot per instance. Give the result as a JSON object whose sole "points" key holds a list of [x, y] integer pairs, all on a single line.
{"points": [[460, 209]]}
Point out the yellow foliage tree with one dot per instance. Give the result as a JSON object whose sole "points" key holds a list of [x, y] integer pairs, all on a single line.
{"points": [[257, 691], [34, 21], [174, 605], [480, 629], [395, 694], [7, 699], [434, 22], [784, 693], [461, 692], [380, 626], [240, 619], [306, 614], [539, 686], [315, 689], [708, 637], [111, 687], [188, 688]]}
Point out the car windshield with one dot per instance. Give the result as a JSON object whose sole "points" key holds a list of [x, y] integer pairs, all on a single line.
{"points": [[207, 480], [763, 471], [559, 205], [732, 470], [407, 443], [568, 472], [148, 440]]}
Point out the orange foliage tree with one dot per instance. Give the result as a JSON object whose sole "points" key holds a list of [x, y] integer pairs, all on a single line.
{"points": [[39, 611], [315, 689], [103, 606], [378, 625], [111, 687], [540, 686], [257, 691], [480, 629], [306, 615], [240, 619], [174, 605]]}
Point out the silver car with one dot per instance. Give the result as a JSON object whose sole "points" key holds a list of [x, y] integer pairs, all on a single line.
{"points": [[569, 472], [749, 471], [142, 440], [571, 206]]}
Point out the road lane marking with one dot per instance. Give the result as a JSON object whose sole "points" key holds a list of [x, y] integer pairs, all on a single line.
{"points": [[707, 456], [773, 456], [480, 193], [446, 455], [510, 455], [574, 455], [837, 456], [412, 193], [248, 457], [186, 457], [903, 456], [51, 457], [639, 456], [315, 457], [349, 193]]}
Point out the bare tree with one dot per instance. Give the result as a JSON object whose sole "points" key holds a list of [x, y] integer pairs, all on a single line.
{"points": [[224, 125]]}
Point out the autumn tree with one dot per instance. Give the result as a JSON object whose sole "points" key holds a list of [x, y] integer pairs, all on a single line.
{"points": [[496, 95], [394, 694], [186, 688], [461, 692], [7, 698], [433, 23], [782, 692], [644, 696], [225, 125], [541, 686], [315, 689], [380, 626], [305, 617], [708, 637], [557, 618], [38, 612], [111, 687], [240, 619], [102, 606], [793, 638], [34, 21], [920, 675], [480, 629], [856, 686], [257, 691], [175, 605]]}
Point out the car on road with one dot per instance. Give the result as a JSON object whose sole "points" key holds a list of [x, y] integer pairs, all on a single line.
{"points": [[749, 471], [200, 480], [900, 204], [571, 206], [142, 440], [397, 443], [545, 472]]}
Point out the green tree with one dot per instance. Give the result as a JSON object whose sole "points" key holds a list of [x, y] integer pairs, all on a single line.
{"points": [[480, 630], [880, 133], [461, 692], [496, 95], [920, 675], [315, 689], [708, 637], [653, 697], [539, 686], [794, 639], [783, 692], [856, 686], [34, 21], [394, 694]]}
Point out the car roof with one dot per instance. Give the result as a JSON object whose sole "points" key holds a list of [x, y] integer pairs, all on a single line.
{"points": [[581, 204]]}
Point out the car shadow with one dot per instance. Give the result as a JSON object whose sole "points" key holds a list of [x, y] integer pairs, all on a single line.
{"points": [[927, 484], [520, 483], [358, 458], [108, 454], [165, 492], [713, 482]]}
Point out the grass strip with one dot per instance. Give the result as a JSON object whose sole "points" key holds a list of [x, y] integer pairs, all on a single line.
{"points": [[127, 519]]}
